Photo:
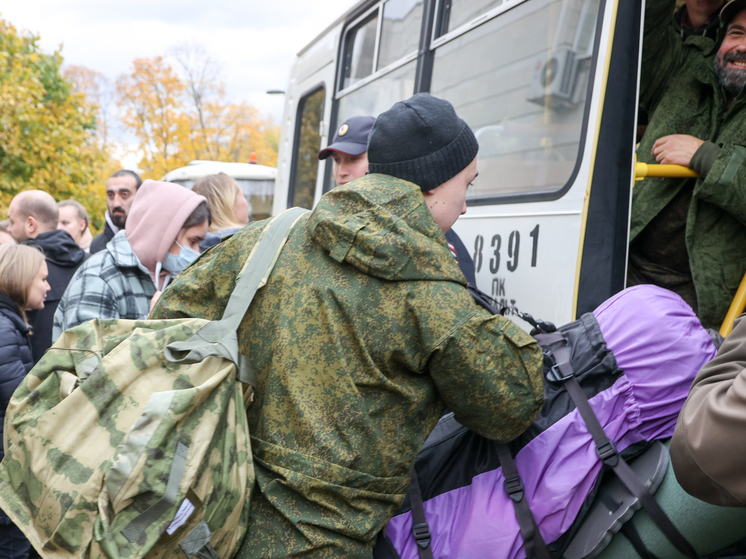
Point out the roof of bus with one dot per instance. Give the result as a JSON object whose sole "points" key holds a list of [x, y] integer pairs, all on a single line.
{"points": [[197, 169], [341, 19]]}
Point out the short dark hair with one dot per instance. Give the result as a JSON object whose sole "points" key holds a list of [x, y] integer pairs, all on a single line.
{"points": [[128, 173], [199, 215]]}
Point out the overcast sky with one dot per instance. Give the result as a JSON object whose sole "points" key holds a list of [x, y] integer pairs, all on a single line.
{"points": [[254, 41]]}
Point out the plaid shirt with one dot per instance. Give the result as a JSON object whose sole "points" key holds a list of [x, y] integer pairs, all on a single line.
{"points": [[110, 284]]}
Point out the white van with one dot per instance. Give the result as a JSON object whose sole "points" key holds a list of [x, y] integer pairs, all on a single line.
{"points": [[256, 181]]}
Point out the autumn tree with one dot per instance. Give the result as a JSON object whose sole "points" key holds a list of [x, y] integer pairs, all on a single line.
{"points": [[151, 99], [46, 129], [201, 77], [179, 118]]}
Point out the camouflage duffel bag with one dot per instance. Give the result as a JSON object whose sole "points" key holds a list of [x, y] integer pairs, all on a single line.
{"points": [[129, 438]]}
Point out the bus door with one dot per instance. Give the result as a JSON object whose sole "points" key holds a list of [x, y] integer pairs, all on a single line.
{"points": [[305, 125]]}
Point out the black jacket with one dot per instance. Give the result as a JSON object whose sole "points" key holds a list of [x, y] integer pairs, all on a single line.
{"points": [[102, 239], [63, 257], [15, 355]]}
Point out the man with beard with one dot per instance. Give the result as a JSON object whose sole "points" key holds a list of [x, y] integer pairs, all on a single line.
{"points": [[120, 193], [689, 235]]}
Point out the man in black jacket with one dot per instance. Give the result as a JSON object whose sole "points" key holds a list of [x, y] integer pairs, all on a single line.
{"points": [[33, 217], [120, 193]]}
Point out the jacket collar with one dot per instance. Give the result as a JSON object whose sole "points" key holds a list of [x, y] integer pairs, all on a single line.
{"points": [[124, 257], [11, 310]]}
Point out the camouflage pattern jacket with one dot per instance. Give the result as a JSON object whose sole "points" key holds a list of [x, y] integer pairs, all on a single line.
{"points": [[363, 334], [680, 89]]}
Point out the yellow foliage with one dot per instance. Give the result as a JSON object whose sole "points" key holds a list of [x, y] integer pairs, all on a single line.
{"points": [[46, 129], [172, 131]]}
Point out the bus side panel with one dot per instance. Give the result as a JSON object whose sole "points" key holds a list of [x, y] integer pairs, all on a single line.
{"points": [[525, 261]]}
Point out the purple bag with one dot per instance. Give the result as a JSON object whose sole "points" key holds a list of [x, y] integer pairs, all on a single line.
{"points": [[635, 358]]}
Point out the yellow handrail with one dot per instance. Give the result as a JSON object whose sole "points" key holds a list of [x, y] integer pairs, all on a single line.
{"points": [[643, 170], [736, 308]]}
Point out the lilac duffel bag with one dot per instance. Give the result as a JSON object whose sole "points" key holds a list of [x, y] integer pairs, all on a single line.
{"points": [[635, 358]]}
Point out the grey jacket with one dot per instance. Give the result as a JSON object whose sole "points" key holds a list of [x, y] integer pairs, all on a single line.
{"points": [[708, 450]]}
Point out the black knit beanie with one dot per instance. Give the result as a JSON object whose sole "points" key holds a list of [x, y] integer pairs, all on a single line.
{"points": [[421, 140]]}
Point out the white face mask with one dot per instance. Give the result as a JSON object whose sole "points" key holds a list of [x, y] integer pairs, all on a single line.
{"points": [[176, 264]]}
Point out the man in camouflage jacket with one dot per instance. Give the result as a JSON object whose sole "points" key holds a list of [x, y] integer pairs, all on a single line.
{"points": [[689, 235], [362, 336]]}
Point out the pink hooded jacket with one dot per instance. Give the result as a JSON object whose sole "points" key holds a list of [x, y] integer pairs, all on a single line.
{"points": [[155, 219]]}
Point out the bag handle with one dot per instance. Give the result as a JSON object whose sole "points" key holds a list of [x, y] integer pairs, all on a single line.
{"points": [[219, 337]]}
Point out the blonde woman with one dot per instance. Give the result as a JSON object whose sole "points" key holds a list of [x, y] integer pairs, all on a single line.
{"points": [[228, 206], [23, 286]]}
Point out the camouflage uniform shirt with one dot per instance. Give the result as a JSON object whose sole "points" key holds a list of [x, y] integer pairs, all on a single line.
{"points": [[360, 338], [680, 89]]}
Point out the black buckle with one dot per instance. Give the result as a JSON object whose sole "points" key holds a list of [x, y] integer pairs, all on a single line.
{"points": [[421, 534], [540, 326], [608, 453], [514, 488], [555, 374]]}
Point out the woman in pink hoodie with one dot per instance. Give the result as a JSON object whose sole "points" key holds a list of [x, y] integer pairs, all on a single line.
{"points": [[164, 228]]}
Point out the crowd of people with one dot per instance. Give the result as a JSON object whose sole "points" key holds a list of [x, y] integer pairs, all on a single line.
{"points": [[372, 289], [54, 275]]}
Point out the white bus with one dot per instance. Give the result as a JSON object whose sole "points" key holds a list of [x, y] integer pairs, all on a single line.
{"points": [[256, 181], [550, 89]]}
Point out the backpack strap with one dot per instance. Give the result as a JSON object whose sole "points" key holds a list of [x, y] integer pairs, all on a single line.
{"points": [[532, 540], [420, 529], [563, 372], [219, 337]]}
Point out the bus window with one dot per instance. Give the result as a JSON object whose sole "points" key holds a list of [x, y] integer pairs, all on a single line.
{"points": [[375, 97], [360, 45], [378, 96], [457, 12], [260, 194], [400, 30], [307, 145], [526, 111]]}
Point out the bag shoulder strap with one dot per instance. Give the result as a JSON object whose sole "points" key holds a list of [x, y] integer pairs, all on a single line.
{"points": [[258, 266], [219, 338], [420, 529]]}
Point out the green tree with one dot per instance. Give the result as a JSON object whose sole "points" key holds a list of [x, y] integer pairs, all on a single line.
{"points": [[46, 129]]}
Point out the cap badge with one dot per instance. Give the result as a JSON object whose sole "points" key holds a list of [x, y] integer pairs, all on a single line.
{"points": [[343, 130]]}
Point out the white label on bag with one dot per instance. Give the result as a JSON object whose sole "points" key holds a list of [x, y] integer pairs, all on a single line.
{"points": [[182, 515]]}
